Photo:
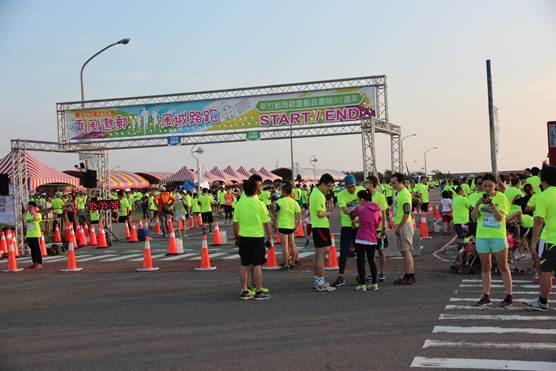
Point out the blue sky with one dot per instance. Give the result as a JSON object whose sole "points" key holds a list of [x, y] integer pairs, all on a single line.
{"points": [[433, 53]]}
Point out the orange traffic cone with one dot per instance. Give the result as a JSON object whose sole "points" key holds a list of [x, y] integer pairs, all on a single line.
{"points": [[82, 240], [42, 244], [157, 226], [278, 242], [271, 263], [437, 213], [85, 230], [424, 228], [101, 238], [216, 237], [332, 258], [12, 262], [199, 220], [299, 231], [147, 258], [133, 237], [127, 232], [16, 248], [180, 225], [191, 222], [3, 245], [92, 236], [72, 263], [140, 223], [57, 236], [205, 259], [172, 245]]}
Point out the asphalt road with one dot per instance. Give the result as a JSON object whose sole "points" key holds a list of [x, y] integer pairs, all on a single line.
{"points": [[111, 317]]}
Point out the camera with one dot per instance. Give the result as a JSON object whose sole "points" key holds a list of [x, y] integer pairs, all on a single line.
{"points": [[486, 198]]}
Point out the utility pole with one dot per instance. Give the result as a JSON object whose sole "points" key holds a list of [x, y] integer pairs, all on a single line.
{"points": [[493, 139]]}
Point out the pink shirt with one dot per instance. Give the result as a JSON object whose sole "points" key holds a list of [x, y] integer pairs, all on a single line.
{"points": [[369, 221]]}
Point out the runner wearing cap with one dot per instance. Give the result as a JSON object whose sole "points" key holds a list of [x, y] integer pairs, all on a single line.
{"points": [[347, 202]]}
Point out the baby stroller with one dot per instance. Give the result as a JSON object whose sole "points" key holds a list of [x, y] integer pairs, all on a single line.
{"points": [[467, 260], [519, 257]]}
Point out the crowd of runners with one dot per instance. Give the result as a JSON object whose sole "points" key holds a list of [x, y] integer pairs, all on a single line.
{"points": [[485, 213]]}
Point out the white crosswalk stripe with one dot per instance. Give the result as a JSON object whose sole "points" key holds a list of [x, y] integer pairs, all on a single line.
{"points": [[155, 256], [480, 341], [123, 257], [213, 255], [178, 257], [80, 259]]}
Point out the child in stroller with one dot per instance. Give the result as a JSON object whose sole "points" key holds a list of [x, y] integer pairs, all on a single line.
{"points": [[466, 260]]}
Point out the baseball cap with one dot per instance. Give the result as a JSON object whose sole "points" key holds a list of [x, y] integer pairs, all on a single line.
{"points": [[349, 180]]}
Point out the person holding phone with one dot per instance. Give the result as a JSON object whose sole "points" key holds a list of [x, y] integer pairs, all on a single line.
{"points": [[32, 219], [490, 212]]}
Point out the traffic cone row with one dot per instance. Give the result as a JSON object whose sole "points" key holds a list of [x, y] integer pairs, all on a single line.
{"points": [[92, 236], [133, 235], [147, 258], [42, 245], [101, 237], [81, 239], [437, 213], [205, 259], [71, 262], [3, 244], [157, 226], [12, 262], [57, 236], [172, 244], [216, 237], [271, 263], [424, 228], [332, 263]]}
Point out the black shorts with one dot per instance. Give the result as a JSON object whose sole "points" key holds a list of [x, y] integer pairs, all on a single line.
{"points": [[122, 219], [252, 251], [347, 239], [321, 237], [424, 207], [548, 257], [94, 222], [286, 230], [207, 217], [459, 231], [390, 200]]}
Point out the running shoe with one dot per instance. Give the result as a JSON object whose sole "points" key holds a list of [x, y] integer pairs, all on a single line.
{"points": [[413, 278], [369, 279], [404, 280], [485, 300], [381, 277], [245, 295], [253, 290], [360, 288], [339, 282], [261, 296], [372, 286], [325, 287], [507, 302], [536, 305]]}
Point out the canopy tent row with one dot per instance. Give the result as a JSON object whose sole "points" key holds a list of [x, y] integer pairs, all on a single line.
{"points": [[154, 177], [38, 172]]}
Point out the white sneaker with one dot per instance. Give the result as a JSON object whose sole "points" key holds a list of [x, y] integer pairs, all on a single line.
{"points": [[537, 305], [325, 287]]}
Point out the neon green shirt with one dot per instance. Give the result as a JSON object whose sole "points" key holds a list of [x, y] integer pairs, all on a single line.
{"points": [[286, 214], [205, 201], [317, 202], [32, 226], [487, 225], [380, 200], [535, 181], [349, 200], [57, 205], [474, 198], [195, 207], [265, 197], [402, 197], [423, 190], [388, 190], [533, 201], [546, 209], [466, 189], [124, 207], [460, 210], [304, 197], [511, 194], [221, 200], [251, 214], [297, 193], [94, 215]]}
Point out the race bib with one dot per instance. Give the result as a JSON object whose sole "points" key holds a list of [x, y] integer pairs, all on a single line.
{"points": [[489, 221], [30, 226]]}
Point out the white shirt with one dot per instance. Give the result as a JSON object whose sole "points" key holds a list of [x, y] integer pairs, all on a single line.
{"points": [[446, 205]]}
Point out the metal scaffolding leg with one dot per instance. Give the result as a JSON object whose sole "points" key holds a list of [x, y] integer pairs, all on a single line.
{"points": [[395, 146], [103, 175], [368, 147], [20, 186]]}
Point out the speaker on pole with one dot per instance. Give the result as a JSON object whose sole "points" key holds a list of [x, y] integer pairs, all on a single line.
{"points": [[89, 179], [4, 185]]}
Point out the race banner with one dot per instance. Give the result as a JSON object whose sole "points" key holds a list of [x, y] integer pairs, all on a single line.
{"points": [[229, 114]]}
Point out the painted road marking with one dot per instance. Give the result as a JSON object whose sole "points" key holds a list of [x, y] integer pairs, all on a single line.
{"points": [[485, 364], [483, 307], [155, 256], [491, 330], [231, 257], [123, 257], [501, 286], [305, 254], [487, 345], [514, 292], [95, 257], [178, 257], [210, 255], [495, 317], [496, 281], [516, 300]]}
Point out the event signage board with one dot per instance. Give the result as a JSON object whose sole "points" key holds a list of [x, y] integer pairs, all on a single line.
{"points": [[220, 115], [7, 212]]}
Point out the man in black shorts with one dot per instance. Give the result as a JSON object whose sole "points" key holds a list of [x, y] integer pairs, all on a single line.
{"points": [[251, 222]]}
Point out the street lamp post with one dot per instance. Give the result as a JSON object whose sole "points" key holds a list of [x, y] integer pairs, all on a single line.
{"points": [[197, 151], [425, 156], [122, 41], [313, 160], [403, 152]]}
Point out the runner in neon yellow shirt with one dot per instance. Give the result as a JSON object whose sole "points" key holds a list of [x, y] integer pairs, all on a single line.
{"points": [[288, 217], [32, 219]]}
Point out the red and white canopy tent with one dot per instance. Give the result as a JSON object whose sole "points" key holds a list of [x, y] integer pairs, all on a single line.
{"points": [[182, 175], [234, 174], [154, 177], [39, 173], [268, 175], [243, 171], [221, 176]]}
